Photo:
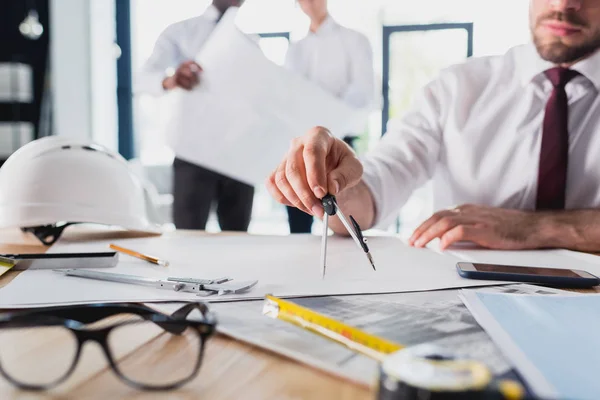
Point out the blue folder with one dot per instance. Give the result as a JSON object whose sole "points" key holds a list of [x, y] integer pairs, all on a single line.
{"points": [[553, 341]]}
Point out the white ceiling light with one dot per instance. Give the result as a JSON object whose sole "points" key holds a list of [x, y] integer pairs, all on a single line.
{"points": [[31, 27]]}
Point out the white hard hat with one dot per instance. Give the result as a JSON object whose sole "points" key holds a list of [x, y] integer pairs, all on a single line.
{"points": [[55, 182]]}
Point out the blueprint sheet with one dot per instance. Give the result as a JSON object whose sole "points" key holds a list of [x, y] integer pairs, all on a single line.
{"points": [[242, 117], [285, 266], [438, 318]]}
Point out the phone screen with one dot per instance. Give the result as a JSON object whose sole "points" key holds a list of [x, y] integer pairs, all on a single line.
{"points": [[508, 269]]}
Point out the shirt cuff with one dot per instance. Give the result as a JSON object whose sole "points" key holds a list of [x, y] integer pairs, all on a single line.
{"points": [[372, 181]]}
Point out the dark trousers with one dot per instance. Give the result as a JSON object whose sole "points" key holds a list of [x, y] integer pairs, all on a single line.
{"points": [[299, 221], [195, 189]]}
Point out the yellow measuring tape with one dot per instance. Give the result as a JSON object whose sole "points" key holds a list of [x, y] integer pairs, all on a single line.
{"points": [[369, 345], [436, 375]]}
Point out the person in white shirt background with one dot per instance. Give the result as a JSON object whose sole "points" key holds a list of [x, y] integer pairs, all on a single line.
{"points": [[511, 142], [195, 188], [339, 60]]}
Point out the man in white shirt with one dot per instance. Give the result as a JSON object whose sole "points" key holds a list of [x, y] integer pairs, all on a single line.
{"points": [[515, 139], [339, 60], [195, 188]]}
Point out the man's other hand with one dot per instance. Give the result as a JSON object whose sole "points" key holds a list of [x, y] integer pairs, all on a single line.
{"points": [[490, 227], [317, 164], [187, 76]]}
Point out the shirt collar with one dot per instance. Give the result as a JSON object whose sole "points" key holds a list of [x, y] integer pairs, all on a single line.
{"points": [[326, 27], [212, 13], [590, 68], [531, 65]]}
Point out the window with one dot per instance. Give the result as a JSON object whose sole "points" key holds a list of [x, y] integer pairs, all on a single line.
{"points": [[412, 56]]}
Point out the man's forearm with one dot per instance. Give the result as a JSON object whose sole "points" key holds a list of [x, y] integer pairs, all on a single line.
{"points": [[358, 202], [574, 230]]}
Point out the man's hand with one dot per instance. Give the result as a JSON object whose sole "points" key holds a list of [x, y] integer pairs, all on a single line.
{"points": [[186, 76], [317, 164], [494, 228]]}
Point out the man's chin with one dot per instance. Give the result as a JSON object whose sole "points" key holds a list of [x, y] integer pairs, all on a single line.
{"points": [[560, 53]]}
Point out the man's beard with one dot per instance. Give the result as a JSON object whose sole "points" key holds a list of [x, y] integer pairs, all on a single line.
{"points": [[560, 53]]}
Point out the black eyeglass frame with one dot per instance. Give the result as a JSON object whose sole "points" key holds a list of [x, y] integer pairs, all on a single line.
{"points": [[76, 318]]}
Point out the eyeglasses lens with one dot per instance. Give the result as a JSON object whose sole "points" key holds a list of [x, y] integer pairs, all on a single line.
{"points": [[23, 351], [168, 358]]}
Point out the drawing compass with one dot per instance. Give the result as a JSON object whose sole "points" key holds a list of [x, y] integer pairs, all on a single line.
{"points": [[331, 208]]}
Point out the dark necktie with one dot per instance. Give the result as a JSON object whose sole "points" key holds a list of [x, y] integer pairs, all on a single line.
{"points": [[554, 154]]}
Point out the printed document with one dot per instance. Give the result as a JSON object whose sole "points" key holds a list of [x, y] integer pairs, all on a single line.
{"points": [[438, 318]]}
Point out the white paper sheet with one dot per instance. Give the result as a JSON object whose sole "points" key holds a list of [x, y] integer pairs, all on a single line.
{"points": [[286, 266], [240, 120], [553, 342]]}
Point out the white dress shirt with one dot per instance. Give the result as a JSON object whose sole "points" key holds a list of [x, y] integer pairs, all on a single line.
{"points": [[337, 59], [178, 43], [476, 132]]}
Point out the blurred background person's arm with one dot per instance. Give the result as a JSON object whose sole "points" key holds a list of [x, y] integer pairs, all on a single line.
{"points": [[167, 67]]}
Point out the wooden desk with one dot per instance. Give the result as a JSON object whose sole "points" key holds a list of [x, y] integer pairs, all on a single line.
{"points": [[231, 370]]}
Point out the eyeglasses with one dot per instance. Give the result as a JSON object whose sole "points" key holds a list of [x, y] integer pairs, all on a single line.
{"points": [[171, 356]]}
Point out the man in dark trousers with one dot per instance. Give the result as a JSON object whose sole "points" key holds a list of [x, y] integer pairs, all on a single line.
{"points": [[196, 188]]}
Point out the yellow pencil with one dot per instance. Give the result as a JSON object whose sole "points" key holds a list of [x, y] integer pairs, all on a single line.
{"points": [[153, 260]]}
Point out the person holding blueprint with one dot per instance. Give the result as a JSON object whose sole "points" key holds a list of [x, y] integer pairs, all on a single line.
{"points": [[511, 143], [196, 188], [339, 60]]}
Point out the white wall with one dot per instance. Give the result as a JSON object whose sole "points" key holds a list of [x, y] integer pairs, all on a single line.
{"points": [[70, 64], [84, 70], [103, 54]]}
